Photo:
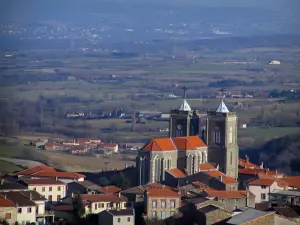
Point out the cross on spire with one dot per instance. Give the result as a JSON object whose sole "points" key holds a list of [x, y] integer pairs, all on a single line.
{"points": [[184, 91]]}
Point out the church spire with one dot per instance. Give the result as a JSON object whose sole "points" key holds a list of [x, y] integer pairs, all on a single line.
{"points": [[222, 108], [184, 105]]}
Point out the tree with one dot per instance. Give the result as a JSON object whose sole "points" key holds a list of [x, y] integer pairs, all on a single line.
{"points": [[78, 205], [120, 181]]}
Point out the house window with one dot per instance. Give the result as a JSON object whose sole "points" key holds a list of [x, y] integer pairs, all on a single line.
{"points": [[50, 198], [34, 189], [107, 205], [7, 216], [19, 210], [263, 187], [43, 189], [172, 204], [154, 204], [58, 198], [96, 206], [101, 205], [128, 219], [230, 158], [50, 188], [29, 210], [236, 200], [263, 196], [163, 205], [153, 213], [163, 214], [58, 188], [217, 136], [119, 220], [111, 204]]}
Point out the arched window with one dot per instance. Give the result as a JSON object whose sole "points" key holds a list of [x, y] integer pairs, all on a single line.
{"points": [[193, 164], [189, 164], [231, 158], [169, 163], [217, 136], [203, 157], [157, 170], [230, 136]]}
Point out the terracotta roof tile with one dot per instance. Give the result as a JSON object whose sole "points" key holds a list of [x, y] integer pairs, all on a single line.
{"points": [[103, 198], [188, 143], [5, 202], [293, 181], [259, 171], [86, 183], [206, 166], [178, 143], [228, 194], [160, 144], [109, 189], [59, 174], [162, 192], [201, 185], [177, 173], [244, 163], [262, 182], [43, 182], [36, 169], [225, 179]]}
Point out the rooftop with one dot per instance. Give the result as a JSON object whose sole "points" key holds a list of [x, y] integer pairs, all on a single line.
{"points": [[177, 173], [43, 182], [262, 182], [36, 169], [59, 174], [109, 189], [285, 192], [225, 179], [206, 166], [245, 163], [224, 194], [185, 106], [173, 144], [222, 108], [123, 212], [162, 192], [23, 198], [207, 209], [103, 198], [248, 215], [12, 186], [4, 202], [293, 181]]}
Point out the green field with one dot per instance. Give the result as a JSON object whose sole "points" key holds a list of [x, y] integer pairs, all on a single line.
{"points": [[7, 167]]}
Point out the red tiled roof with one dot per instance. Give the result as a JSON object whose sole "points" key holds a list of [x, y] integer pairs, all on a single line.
{"points": [[162, 192], [112, 145], [260, 172], [262, 182], [291, 181], [178, 143], [177, 173], [103, 198], [188, 143], [160, 144], [36, 169], [225, 179], [206, 166], [228, 194], [246, 164], [201, 185], [63, 207], [59, 174], [109, 189], [43, 182], [5, 202]]}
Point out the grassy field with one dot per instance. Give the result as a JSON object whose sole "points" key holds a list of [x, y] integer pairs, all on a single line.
{"points": [[7, 167]]}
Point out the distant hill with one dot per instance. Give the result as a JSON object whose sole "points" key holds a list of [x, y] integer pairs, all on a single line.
{"points": [[281, 153]]}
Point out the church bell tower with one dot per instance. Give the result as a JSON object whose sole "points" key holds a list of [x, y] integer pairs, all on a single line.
{"points": [[184, 121], [221, 138]]}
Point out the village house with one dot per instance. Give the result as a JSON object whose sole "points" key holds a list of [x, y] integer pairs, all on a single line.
{"points": [[8, 211], [231, 199], [30, 171], [95, 203], [11, 186], [82, 187], [52, 190], [116, 217], [109, 147], [29, 206], [161, 203]]}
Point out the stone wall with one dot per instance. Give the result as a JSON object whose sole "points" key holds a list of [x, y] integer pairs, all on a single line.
{"points": [[159, 209], [268, 219]]}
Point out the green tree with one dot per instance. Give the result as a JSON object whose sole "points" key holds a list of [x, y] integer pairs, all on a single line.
{"points": [[78, 205], [120, 181]]}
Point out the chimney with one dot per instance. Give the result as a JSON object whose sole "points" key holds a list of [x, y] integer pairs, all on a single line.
{"points": [[5, 196], [164, 186], [276, 173], [220, 178], [218, 166], [262, 165], [247, 159], [119, 194]]}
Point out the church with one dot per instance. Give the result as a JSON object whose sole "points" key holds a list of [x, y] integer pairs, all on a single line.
{"points": [[190, 148]]}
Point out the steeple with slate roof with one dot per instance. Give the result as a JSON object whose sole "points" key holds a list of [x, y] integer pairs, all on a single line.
{"points": [[222, 108], [184, 105]]}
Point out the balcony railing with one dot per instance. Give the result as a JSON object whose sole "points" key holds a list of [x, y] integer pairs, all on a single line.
{"points": [[46, 213]]}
